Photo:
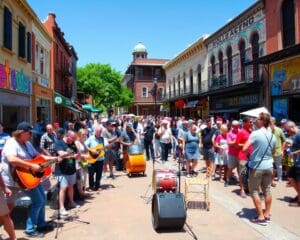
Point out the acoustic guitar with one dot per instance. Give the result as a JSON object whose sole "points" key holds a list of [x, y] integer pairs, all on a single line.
{"points": [[28, 179], [98, 151]]}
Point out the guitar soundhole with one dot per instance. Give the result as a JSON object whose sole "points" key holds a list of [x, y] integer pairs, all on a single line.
{"points": [[39, 174], [95, 155]]}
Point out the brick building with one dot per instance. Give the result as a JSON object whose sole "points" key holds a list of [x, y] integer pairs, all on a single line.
{"points": [[63, 63], [282, 59], [140, 76]]}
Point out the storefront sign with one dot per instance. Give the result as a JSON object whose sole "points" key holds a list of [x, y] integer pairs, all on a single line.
{"points": [[61, 100], [44, 82], [14, 80], [234, 31], [285, 77], [233, 102]]}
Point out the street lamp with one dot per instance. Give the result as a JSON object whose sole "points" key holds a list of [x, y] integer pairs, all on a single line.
{"points": [[155, 96]]}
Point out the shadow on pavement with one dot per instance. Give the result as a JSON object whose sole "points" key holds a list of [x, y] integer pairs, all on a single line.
{"points": [[247, 213]]}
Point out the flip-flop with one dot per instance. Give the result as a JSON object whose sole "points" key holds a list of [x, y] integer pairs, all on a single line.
{"points": [[261, 222]]}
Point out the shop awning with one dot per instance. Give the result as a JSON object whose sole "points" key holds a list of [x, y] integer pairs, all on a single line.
{"points": [[91, 108], [64, 102], [225, 110], [191, 104]]}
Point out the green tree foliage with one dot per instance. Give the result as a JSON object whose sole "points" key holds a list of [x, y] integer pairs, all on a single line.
{"points": [[104, 84]]}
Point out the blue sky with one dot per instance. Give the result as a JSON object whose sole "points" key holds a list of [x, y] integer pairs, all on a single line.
{"points": [[105, 31]]}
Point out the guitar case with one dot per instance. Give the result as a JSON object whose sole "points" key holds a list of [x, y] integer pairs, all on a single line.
{"points": [[168, 211]]}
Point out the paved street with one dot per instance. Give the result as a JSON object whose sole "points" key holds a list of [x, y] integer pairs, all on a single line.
{"points": [[119, 212]]}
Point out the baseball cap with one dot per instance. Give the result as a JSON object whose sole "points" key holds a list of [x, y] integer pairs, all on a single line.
{"points": [[111, 121], [129, 125], [25, 126], [283, 121], [219, 120]]}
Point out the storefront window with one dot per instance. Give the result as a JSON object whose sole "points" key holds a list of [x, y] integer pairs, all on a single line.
{"points": [[43, 109], [14, 115]]}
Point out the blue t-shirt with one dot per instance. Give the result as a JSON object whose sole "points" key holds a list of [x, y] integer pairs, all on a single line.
{"points": [[260, 141], [93, 141], [295, 147]]}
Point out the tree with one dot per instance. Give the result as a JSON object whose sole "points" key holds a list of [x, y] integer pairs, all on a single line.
{"points": [[104, 84]]}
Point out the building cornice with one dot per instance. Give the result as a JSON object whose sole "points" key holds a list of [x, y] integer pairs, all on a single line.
{"points": [[256, 7], [32, 15], [195, 48]]}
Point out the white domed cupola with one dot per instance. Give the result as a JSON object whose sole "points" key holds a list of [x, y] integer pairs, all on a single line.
{"points": [[139, 51]]}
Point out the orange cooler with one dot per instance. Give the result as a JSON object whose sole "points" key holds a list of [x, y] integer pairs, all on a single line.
{"points": [[136, 160]]}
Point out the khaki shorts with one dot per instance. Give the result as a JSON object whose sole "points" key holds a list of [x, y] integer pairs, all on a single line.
{"points": [[3, 205], [260, 178]]}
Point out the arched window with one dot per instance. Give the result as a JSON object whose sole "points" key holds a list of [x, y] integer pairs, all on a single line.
{"points": [[213, 65], [178, 82], [220, 58], [199, 78], [174, 87], [184, 83], [242, 48], [229, 64], [288, 23], [191, 81], [255, 55]]}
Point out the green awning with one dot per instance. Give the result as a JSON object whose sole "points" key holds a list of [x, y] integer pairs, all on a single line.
{"points": [[62, 100], [91, 108]]}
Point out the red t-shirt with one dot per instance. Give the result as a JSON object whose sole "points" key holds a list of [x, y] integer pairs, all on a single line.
{"points": [[242, 138]]}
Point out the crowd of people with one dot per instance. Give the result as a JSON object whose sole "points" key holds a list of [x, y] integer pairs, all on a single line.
{"points": [[270, 153]]}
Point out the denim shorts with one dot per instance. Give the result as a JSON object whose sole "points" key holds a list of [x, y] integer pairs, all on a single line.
{"points": [[66, 180], [209, 154]]}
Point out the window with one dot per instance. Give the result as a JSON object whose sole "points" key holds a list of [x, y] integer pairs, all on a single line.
{"points": [[229, 64], [288, 23], [157, 73], [255, 55], [191, 81], [42, 62], [213, 65], [7, 29], [138, 73], [29, 47], [160, 93], [220, 58], [21, 40], [178, 82], [242, 48], [144, 92], [184, 83], [174, 87], [199, 78]]}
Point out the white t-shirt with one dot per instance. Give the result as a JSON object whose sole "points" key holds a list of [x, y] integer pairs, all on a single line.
{"points": [[12, 147], [166, 136]]}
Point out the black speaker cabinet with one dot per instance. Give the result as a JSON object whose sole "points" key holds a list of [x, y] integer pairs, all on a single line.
{"points": [[168, 211]]}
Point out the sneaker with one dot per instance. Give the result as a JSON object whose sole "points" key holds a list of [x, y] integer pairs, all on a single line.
{"points": [[104, 177], [243, 194], [112, 176], [295, 199], [35, 234], [294, 204], [63, 212], [268, 219], [259, 221], [226, 184], [74, 205]]}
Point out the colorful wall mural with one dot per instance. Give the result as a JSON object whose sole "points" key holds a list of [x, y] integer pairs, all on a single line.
{"points": [[14, 80], [285, 77]]}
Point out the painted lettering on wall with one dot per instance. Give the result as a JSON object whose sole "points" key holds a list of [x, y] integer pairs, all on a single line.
{"points": [[11, 79], [234, 31]]}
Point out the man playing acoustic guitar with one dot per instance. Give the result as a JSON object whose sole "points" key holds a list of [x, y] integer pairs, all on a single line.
{"points": [[16, 153], [96, 167]]}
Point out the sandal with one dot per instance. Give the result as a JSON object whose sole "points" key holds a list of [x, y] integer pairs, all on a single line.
{"points": [[261, 222]]}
